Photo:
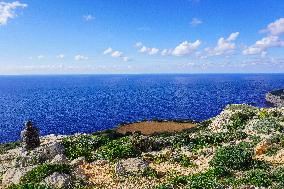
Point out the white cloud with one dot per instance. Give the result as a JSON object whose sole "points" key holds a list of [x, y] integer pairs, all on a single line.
{"points": [[166, 52], [126, 59], [138, 44], [88, 17], [186, 48], [233, 36], [276, 27], [7, 11], [148, 50], [116, 54], [262, 45], [224, 46], [40, 57], [107, 51], [195, 22], [81, 57], [60, 56]]}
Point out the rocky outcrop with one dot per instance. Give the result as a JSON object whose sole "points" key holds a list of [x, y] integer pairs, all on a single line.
{"points": [[130, 166], [276, 98], [57, 180]]}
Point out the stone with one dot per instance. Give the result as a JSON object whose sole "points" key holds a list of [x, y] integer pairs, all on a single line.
{"points": [[78, 161], [13, 175], [59, 159], [130, 166], [57, 180]]}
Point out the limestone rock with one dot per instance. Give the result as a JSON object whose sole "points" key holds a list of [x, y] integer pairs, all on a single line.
{"points": [[130, 166], [13, 176], [78, 161], [57, 180], [59, 159]]}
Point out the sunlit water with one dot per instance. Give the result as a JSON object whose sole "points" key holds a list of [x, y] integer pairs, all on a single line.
{"points": [[70, 104]]}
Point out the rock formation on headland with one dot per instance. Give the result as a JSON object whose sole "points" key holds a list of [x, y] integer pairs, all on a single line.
{"points": [[242, 147], [276, 98]]}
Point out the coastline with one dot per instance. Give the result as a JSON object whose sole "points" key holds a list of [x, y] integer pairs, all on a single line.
{"points": [[275, 98]]}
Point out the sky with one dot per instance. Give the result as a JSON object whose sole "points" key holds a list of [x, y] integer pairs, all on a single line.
{"points": [[141, 36]]}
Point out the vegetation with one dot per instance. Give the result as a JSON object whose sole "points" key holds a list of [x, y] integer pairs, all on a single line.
{"points": [[8, 146], [37, 174], [233, 157], [115, 149], [28, 186]]}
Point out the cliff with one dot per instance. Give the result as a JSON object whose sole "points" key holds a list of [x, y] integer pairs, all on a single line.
{"points": [[242, 147], [276, 98]]}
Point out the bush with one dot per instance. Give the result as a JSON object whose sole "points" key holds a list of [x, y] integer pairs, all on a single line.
{"points": [[37, 174], [28, 186], [184, 161], [150, 172], [233, 157], [258, 177], [8, 146], [267, 125], [116, 149], [215, 139], [238, 120], [278, 175], [207, 180], [83, 146]]}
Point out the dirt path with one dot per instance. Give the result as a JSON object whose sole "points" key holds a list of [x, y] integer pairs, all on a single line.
{"points": [[150, 127]]}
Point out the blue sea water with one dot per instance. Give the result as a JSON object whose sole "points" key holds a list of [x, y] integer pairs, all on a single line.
{"points": [[88, 103]]}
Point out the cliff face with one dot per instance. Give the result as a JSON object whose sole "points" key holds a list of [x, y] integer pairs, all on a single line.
{"points": [[276, 98]]}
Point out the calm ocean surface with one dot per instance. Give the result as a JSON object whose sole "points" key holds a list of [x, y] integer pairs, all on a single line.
{"points": [[70, 104]]}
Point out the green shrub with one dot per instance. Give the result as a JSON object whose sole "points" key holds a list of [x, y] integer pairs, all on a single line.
{"points": [[207, 180], [263, 114], [278, 175], [267, 125], [83, 146], [272, 150], [37, 174], [8, 146], [208, 139], [116, 149], [150, 172], [238, 120], [184, 161], [258, 177], [233, 157], [28, 186]]}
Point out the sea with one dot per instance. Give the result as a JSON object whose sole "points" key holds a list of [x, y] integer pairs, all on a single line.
{"points": [[68, 104]]}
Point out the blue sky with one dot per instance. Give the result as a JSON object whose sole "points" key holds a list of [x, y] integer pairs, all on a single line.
{"points": [[141, 36]]}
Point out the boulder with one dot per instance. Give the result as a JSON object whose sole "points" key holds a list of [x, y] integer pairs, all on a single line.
{"points": [[59, 159], [57, 180], [131, 166], [13, 175], [78, 161]]}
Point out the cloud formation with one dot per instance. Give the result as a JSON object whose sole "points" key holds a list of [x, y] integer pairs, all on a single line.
{"points": [[186, 48], [60, 56], [224, 46], [147, 50], [262, 45], [88, 17], [7, 11], [195, 22], [80, 57], [115, 54], [276, 27]]}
